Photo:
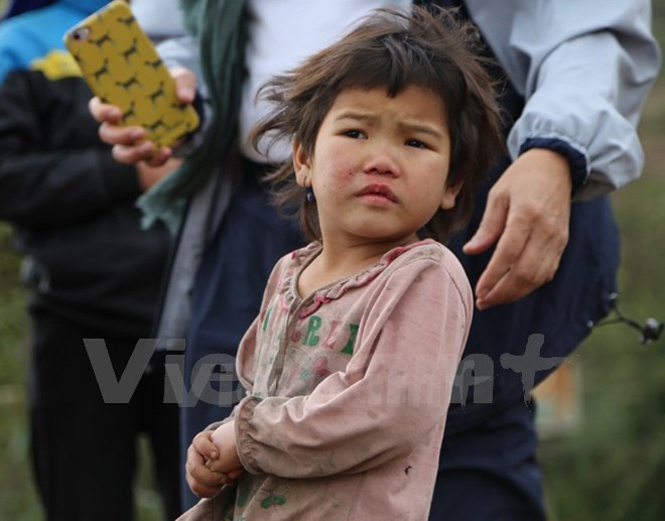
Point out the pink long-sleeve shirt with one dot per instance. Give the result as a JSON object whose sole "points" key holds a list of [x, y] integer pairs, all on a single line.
{"points": [[348, 391]]}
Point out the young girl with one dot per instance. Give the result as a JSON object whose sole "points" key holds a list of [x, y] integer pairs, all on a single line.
{"points": [[350, 364]]}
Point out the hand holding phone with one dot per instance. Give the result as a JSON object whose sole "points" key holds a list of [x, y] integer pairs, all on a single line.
{"points": [[129, 142], [124, 70]]}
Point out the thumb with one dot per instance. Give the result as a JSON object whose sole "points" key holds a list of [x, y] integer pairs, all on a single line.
{"points": [[491, 226]]}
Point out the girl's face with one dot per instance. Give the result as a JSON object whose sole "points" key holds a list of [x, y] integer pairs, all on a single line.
{"points": [[379, 166]]}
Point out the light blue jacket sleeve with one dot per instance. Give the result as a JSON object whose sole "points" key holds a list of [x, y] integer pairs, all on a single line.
{"points": [[184, 52], [584, 68]]}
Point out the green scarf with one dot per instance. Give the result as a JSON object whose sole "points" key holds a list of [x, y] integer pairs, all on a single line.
{"points": [[218, 26]]}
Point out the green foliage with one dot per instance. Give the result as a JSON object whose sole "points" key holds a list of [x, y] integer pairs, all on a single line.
{"points": [[17, 499]]}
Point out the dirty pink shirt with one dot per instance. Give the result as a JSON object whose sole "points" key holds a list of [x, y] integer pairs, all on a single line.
{"points": [[348, 390]]}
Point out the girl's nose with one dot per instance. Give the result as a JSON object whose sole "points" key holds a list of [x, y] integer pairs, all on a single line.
{"points": [[382, 163]]}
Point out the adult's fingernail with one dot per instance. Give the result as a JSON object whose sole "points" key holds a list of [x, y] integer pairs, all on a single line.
{"points": [[473, 242]]}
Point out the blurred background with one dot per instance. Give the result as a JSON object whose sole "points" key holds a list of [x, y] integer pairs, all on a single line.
{"points": [[602, 421]]}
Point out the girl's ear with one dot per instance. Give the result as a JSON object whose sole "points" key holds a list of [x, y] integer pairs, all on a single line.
{"points": [[301, 164], [449, 195]]}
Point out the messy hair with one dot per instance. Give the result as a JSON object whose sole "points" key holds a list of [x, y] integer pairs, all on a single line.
{"points": [[433, 50]]}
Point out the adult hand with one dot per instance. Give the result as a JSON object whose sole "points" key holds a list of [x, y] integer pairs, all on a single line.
{"points": [[129, 143], [528, 212], [203, 481]]}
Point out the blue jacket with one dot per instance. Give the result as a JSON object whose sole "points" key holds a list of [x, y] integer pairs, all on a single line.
{"points": [[33, 34]]}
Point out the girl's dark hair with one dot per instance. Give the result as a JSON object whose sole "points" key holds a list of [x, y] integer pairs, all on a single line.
{"points": [[430, 49]]}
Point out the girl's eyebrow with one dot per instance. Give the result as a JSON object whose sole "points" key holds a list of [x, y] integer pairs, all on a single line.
{"points": [[421, 128], [358, 116], [405, 126]]}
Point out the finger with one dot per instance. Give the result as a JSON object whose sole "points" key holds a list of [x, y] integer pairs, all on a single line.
{"points": [[200, 490], [160, 157], [536, 266], [204, 446], [185, 84], [103, 111], [491, 226], [515, 284], [214, 465], [508, 250], [196, 468], [219, 466], [133, 154], [117, 135]]}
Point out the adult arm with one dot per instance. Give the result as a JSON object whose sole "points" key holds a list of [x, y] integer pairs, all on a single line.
{"points": [[584, 69], [394, 391]]}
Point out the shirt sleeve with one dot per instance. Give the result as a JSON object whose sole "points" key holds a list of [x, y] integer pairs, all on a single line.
{"points": [[584, 68], [395, 389]]}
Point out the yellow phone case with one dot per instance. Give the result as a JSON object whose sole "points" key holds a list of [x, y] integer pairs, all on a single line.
{"points": [[122, 67]]}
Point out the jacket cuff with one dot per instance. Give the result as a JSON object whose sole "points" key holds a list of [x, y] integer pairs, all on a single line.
{"points": [[576, 160], [121, 182], [244, 441]]}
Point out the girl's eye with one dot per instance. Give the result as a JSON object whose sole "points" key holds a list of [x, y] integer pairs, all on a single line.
{"points": [[416, 143], [355, 134]]}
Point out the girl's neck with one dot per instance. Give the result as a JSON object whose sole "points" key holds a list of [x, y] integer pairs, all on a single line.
{"points": [[340, 261]]}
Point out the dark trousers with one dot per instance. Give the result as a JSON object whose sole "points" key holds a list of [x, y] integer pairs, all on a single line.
{"points": [[226, 298], [488, 471], [84, 451]]}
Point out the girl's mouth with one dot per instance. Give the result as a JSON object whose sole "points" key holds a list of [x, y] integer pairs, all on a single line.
{"points": [[377, 191]]}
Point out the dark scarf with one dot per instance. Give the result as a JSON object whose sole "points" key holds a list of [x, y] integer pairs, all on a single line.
{"points": [[218, 27]]}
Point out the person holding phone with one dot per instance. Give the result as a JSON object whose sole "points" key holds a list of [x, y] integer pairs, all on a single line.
{"points": [[92, 272]]}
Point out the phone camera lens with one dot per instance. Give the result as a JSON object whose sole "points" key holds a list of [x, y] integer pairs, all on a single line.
{"points": [[81, 34]]}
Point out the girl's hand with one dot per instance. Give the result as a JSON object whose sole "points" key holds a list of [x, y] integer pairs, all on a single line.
{"points": [[203, 481], [223, 439]]}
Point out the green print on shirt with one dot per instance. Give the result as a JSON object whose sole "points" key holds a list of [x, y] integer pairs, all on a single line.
{"points": [[277, 497], [311, 339], [348, 348], [267, 319]]}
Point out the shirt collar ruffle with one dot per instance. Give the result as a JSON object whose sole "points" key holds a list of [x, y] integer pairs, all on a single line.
{"points": [[302, 257]]}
